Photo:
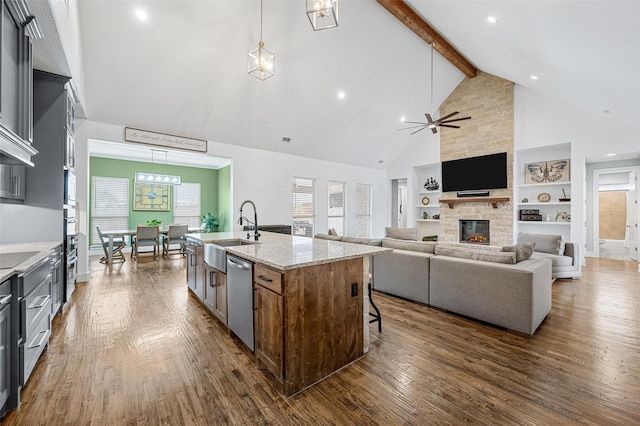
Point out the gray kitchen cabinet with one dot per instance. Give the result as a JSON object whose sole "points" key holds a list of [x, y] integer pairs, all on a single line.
{"points": [[12, 181], [35, 316], [18, 29], [45, 181], [6, 384]]}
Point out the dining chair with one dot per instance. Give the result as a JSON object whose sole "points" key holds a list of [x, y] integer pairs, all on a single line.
{"points": [[119, 243], [146, 236], [176, 237]]}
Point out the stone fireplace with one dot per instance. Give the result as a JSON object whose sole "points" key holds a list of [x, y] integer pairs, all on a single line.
{"points": [[489, 100], [474, 231]]}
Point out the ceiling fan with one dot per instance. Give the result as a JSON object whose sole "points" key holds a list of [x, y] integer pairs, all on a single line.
{"points": [[431, 123]]}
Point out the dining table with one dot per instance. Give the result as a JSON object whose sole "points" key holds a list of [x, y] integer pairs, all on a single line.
{"points": [[112, 233]]}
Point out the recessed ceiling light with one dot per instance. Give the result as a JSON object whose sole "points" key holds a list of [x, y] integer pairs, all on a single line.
{"points": [[533, 77], [403, 119], [491, 19], [341, 95], [286, 139], [611, 155], [606, 111], [380, 161], [141, 15]]}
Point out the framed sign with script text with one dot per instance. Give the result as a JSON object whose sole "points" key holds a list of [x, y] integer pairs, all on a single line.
{"points": [[162, 139]]}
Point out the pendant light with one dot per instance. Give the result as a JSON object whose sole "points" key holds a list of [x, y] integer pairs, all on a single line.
{"points": [[322, 14], [159, 178], [262, 63]]}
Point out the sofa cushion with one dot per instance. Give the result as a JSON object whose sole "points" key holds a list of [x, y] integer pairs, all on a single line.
{"points": [[401, 233], [556, 261], [484, 255], [367, 241], [328, 237], [523, 251], [419, 246], [552, 244]]}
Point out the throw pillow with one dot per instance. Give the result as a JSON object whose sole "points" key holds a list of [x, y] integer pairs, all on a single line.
{"points": [[522, 251], [332, 231], [484, 255], [401, 233], [552, 244]]}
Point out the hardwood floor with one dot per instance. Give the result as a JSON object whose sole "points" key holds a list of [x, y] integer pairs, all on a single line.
{"points": [[133, 347]]}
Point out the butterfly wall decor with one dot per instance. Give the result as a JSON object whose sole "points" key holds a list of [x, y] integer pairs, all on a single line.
{"points": [[547, 171]]}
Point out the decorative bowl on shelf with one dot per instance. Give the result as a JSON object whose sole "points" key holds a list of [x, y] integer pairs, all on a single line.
{"points": [[544, 197], [425, 201]]}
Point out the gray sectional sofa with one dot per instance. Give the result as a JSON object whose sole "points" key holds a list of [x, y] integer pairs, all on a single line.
{"points": [[509, 287]]}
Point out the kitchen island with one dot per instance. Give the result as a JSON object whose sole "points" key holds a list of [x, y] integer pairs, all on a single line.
{"points": [[309, 311]]}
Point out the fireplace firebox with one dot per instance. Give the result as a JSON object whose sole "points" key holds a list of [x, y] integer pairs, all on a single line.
{"points": [[474, 231]]}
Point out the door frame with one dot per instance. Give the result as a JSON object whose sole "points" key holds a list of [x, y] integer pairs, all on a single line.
{"points": [[596, 200]]}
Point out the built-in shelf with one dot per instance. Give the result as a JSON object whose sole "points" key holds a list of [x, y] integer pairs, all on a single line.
{"points": [[427, 220], [491, 200], [542, 222]]}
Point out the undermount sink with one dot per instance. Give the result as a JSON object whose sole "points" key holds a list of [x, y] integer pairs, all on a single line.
{"points": [[234, 242], [215, 254]]}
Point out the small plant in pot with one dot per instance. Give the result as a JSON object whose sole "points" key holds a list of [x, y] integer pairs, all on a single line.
{"points": [[210, 222], [154, 222]]}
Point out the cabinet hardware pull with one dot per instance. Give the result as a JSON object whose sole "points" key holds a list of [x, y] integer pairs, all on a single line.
{"points": [[5, 299], [41, 342], [255, 299], [43, 301], [263, 278]]}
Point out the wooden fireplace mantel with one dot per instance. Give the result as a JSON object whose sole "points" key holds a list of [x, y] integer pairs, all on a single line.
{"points": [[492, 200]]}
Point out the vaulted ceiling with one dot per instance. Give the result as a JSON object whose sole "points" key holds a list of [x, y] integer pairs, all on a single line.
{"points": [[184, 70]]}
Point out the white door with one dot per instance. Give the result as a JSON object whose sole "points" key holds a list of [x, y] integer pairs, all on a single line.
{"points": [[402, 205], [633, 215]]}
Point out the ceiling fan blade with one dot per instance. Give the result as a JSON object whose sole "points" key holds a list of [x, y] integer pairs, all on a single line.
{"points": [[455, 119], [448, 125], [429, 119], [419, 130], [434, 130], [412, 127], [447, 116], [416, 122]]}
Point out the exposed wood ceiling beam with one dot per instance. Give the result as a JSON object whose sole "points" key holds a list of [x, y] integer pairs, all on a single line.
{"points": [[416, 23]]}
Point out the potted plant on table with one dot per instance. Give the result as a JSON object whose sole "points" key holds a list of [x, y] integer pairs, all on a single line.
{"points": [[210, 222]]}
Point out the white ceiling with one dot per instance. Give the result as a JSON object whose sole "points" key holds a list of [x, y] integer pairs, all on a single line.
{"points": [[184, 70]]}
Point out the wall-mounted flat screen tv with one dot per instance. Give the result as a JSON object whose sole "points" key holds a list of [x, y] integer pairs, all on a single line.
{"points": [[475, 173]]}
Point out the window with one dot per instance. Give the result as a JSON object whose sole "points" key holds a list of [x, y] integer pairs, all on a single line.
{"points": [[336, 203], [363, 210], [303, 206], [186, 204], [109, 205]]}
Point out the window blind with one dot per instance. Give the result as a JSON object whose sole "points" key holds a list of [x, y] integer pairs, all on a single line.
{"points": [[363, 210], [336, 209], [186, 204], [109, 205], [303, 206]]}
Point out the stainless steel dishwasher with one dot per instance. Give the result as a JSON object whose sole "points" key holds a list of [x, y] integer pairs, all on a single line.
{"points": [[240, 298]]}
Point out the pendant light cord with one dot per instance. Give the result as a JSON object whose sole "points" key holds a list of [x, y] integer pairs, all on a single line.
{"points": [[432, 44], [260, 20]]}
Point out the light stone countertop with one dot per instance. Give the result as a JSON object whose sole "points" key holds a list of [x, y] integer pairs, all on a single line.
{"points": [[283, 252], [42, 247]]}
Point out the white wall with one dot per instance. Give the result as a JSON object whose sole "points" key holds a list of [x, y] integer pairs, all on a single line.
{"points": [[261, 176], [540, 121]]}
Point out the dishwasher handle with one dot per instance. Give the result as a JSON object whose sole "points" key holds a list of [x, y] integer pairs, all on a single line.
{"points": [[238, 265]]}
